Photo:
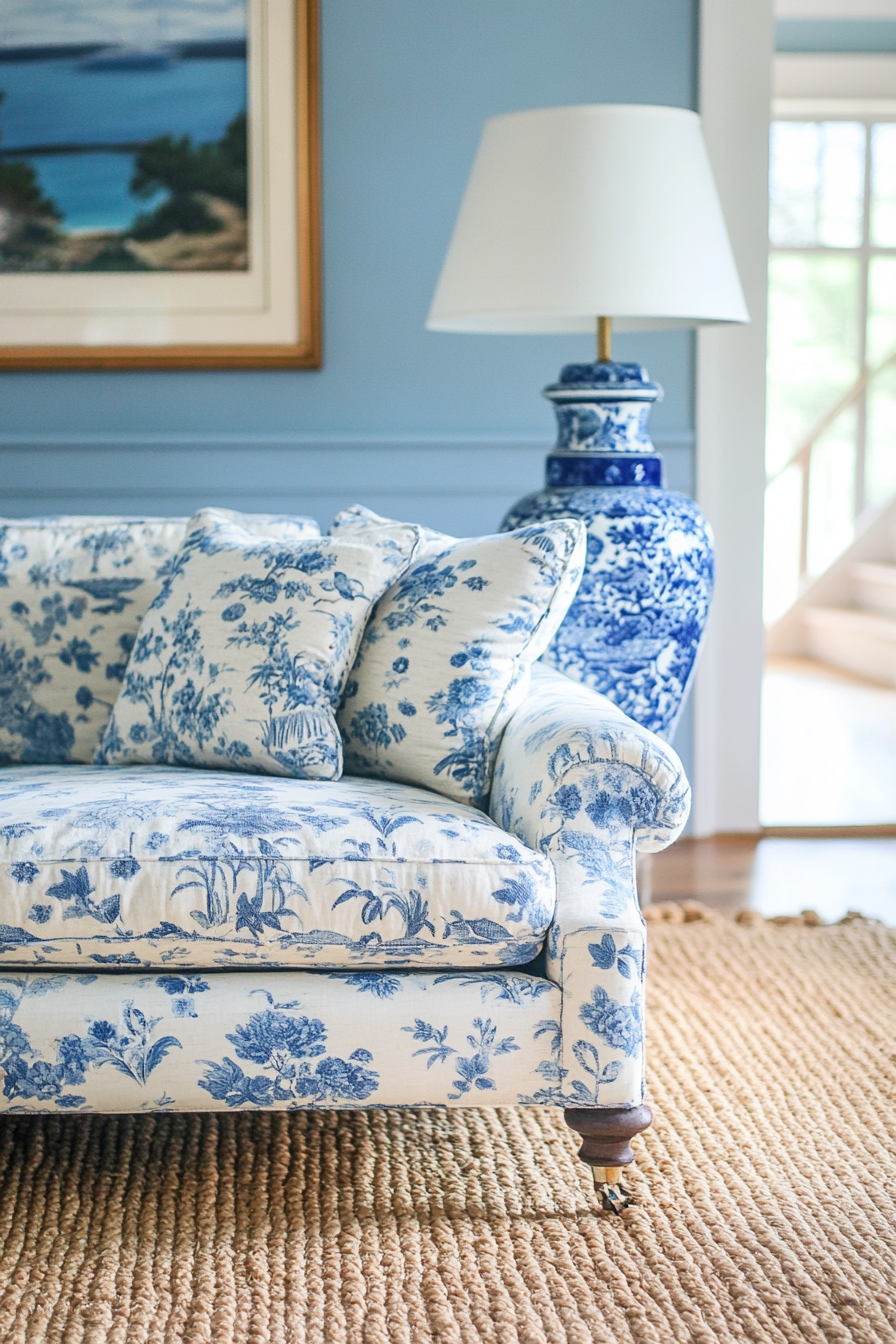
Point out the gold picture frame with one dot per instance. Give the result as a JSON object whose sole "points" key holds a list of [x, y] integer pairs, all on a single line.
{"points": [[284, 270]]}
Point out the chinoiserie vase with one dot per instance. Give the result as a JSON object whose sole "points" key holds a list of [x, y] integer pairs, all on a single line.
{"points": [[634, 629]]}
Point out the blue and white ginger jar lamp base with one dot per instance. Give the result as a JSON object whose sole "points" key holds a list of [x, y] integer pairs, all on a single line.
{"points": [[635, 627]]}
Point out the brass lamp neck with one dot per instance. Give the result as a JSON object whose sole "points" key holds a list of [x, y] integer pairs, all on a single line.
{"points": [[604, 340]]}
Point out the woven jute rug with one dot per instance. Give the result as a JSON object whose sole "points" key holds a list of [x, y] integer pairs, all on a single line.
{"points": [[767, 1201]]}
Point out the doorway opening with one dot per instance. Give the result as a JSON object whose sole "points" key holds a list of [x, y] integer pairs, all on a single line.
{"points": [[828, 755]]}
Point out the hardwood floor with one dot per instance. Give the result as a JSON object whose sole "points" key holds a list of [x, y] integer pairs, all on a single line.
{"points": [[779, 875], [843, 776], [717, 871]]}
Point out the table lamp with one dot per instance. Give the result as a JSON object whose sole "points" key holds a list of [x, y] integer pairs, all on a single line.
{"points": [[576, 219]]}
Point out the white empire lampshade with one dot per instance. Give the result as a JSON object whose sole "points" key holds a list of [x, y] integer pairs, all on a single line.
{"points": [[572, 213]]}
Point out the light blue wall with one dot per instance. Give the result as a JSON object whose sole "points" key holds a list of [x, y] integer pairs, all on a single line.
{"points": [[448, 428], [445, 429]]}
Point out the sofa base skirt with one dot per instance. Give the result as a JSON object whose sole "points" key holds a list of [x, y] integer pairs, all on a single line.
{"points": [[281, 1040]]}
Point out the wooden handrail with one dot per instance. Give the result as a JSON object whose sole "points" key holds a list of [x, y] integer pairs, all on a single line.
{"points": [[852, 394]]}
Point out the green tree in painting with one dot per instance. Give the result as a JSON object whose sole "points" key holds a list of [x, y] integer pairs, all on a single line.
{"points": [[189, 174], [29, 217]]}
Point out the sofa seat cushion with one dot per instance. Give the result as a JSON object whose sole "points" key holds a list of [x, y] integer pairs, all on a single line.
{"points": [[164, 866]]}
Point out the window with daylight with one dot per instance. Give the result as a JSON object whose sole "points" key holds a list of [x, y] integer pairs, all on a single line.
{"points": [[831, 443]]}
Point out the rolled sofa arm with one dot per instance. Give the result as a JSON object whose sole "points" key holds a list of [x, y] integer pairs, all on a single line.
{"points": [[581, 782]]}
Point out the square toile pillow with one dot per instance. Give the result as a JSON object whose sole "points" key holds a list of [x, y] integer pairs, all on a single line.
{"points": [[445, 657], [72, 593], [241, 659]]}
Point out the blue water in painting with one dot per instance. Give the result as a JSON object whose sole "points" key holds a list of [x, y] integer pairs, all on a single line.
{"points": [[91, 190], [55, 102]]}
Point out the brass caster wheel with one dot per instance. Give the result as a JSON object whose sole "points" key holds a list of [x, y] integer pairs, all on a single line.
{"points": [[613, 1195]]}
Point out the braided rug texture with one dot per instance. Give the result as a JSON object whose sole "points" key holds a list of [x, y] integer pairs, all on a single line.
{"points": [[767, 1194]]}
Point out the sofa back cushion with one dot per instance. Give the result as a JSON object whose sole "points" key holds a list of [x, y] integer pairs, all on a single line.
{"points": [[241, 660], [446, 654], [72, 594]]}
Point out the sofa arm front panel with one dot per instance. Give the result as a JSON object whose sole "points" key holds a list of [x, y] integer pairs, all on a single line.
{"points": [[579, 781], [572, 764]]}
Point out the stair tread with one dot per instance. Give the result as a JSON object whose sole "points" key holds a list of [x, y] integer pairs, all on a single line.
{"points": [[856, 618], [881, 571]]}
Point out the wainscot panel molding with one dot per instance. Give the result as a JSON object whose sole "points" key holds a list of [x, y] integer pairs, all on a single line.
{"points": [[459, 483]]}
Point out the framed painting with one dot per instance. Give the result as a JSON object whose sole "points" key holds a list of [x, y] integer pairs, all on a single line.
{"points": [[159, 184]]}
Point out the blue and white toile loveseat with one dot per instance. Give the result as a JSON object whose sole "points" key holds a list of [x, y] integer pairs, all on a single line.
{"points": [[174, 938]]}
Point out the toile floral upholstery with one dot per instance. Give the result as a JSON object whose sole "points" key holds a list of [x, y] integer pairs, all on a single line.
{"points": [[72, 594], [583, 785], [446, 654], [191, 1041], [154, 866], [241, 659], [187, 939]]}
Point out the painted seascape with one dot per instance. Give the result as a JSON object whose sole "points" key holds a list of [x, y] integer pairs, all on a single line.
{"points": [[123, 135]]}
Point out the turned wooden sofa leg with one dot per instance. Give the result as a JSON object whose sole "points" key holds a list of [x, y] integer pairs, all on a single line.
{"points": [[605, 1147]]}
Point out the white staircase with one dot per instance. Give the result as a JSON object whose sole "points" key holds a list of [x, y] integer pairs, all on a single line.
{"points": [[874, 585], [847, 616]]}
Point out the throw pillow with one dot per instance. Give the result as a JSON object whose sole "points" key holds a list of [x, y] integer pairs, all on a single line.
{"points": [[72, 592], [241, 659], [446, 655]]}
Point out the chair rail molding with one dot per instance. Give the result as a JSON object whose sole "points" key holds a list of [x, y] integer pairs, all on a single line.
{"points": [[736, 52], [462, 483]]}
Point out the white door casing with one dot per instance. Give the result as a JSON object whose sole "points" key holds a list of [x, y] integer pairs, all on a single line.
{"points": [[736, 51]]}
